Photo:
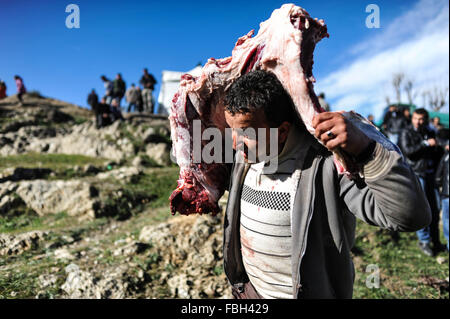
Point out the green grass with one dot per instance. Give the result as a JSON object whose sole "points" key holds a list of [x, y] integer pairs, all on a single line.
{"points": [[21, 282], [52, 161], [20, 223], [60, 222], [79, 120], [405, 272], [150, 190], [160, 182]]}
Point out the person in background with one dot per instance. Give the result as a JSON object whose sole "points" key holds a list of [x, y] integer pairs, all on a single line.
{"points": [[119, 88], [393, 123], [442, 182], [108, 89], [371, 119], [21, 90], [2, 90], [323, 103], [116, 113], [422, 152], [435, 124], [92, 100], [407, 115], [139, 102], [132, 97], [103, 114], [148, 82]]}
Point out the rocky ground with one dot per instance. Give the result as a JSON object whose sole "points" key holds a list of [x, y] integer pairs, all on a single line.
{"points": [[84, 212]]}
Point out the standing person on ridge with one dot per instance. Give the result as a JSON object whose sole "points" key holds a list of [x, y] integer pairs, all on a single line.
{"points": [[21, 90], [148, 82], [119, 88]]}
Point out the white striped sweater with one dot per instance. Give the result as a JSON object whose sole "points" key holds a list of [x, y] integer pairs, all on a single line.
{"points": [[265, 230]]}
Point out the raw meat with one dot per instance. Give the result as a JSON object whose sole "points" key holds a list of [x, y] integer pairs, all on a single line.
{"points": [[284, 45]]}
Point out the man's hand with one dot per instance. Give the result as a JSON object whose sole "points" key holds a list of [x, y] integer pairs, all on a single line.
{"points": [[431, 142], [334, 130]]}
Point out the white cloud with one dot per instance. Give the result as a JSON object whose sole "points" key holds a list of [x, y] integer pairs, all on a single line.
{"points": [[416, 43]]}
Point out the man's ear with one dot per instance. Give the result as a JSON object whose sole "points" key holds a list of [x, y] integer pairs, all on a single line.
{"points": [[283, 131]]}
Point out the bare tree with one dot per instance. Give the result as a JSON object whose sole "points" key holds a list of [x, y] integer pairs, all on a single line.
{"points": [[397, 80], [425, 98], [409, 90], [437, 98], [387, 99]]}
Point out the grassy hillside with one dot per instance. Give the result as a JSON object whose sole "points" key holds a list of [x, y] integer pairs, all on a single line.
{"points": [[405, 272]]}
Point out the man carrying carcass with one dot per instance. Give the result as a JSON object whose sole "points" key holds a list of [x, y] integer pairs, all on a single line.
{"points": [[288, 233]]}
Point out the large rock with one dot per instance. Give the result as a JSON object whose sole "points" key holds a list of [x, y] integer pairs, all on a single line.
{"points": [[79, 284], [82, 139], [125, 174], [193, 246], [17, 244], [8, 199], [159, 152], [112, 283], [75, 197]]}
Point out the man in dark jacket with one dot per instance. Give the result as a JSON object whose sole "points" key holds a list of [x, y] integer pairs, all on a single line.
{"points": [[119, 88], [393, 123], [419, 145], [288, 233], [92, 100], [148, 82], [103, 114], [442, 182]]}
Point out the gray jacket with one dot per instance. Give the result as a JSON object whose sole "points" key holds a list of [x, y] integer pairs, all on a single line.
{"points": [[323, 218]]}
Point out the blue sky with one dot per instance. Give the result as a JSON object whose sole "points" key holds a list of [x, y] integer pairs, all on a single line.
{"points": [[353, 66]]}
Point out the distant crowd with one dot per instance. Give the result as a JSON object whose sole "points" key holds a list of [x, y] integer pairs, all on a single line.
{"points": [[424, 143], [108, 109]]}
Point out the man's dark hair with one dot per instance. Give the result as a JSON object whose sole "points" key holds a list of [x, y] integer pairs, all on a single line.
{"points": [[261, 89], [422, 111]]}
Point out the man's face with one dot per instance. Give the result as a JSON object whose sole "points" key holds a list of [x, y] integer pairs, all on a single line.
{"points": [[418, 120], [246, 143]]}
